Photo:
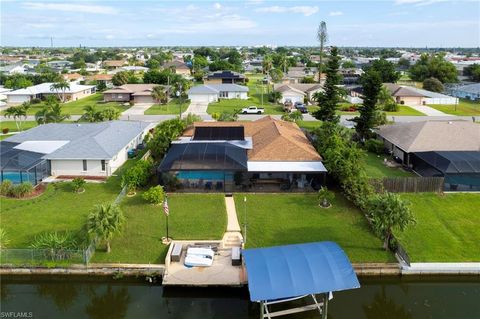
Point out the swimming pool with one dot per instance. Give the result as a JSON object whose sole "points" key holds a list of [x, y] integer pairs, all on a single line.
{"points": [[205, 175], [18, 177]]}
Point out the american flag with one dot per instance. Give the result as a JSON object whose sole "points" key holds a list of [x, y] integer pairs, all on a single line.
{"points": [[165, 207]]}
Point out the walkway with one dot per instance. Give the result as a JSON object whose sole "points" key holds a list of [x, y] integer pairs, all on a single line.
{"points": [[137, 109], [467, 268], [428, 111], [233, 236]]}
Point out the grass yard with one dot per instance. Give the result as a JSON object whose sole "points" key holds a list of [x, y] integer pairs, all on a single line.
{"points": [[447, 228], [76, 107], [464, 107], [58, 209], [233, 104], [402, 111], [309, 125], [275, 219], [172, 107], [192, 216], [13, 127], [376, 169]]}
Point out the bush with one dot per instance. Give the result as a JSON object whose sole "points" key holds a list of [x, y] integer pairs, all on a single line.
{"points": [[6, 188], [155, 195], [170, 182], [78, 184], [374, 146], [5, 130], [4, 241], [57, 243], [391, 107], [137, 176], [22, 190], [325, 197], [35, 101]]}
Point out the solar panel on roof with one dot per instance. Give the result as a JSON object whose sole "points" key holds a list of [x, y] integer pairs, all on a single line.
{"points": [[219, 133]]}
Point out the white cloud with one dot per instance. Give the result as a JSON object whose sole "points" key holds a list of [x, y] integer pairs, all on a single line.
{"points": [[68, 7], [335, 13], [217, 6], [40, 25], [305, 10], [418, 3]]}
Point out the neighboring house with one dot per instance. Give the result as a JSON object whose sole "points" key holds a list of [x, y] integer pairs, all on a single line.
{"points": [[40, 91], [133, 68], [13, 69], [74, 149], [105, 78], [60, 65], [113, 64], [467, 91], [213, 92], [229, 156], [73, 77], [179, 67], [438, 148], [413, 96], [297, 74], [351, 76], [138, 93], [224, 77], [297, 92]]}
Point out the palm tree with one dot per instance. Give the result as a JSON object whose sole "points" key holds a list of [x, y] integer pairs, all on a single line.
{"points": [[60, 86], [19, 114], [104, 222], [51, 114], [267, 64], [90, 114], [322, 37], [159, 94]]}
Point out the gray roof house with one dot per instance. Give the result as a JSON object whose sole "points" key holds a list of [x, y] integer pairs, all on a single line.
{"points": [[77, 149], [208, 93]]}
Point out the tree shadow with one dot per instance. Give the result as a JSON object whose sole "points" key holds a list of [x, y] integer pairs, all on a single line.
{"points": [[113, 304]]}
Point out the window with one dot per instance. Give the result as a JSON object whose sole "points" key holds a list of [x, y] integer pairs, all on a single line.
{"points": [[119, 96], [84, 165], [223, 94], [103, 165]]}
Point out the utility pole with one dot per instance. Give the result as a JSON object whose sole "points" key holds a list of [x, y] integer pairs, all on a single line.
{"points": [[51, 42]]}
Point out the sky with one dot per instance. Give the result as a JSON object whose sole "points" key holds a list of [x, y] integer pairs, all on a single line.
{"points": [[380, 23]]}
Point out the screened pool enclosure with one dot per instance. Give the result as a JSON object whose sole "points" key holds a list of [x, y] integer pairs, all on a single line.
{"points": [[20, 166]]}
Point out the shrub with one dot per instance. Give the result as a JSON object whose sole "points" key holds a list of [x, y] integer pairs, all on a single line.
{"points": [[4, 241], [56, 244], [170, 182], [22, 190], [374, 146], [5, 130], [155, 195], [137, 176], [325, 197], [78, 184], [6, 187], [35, 101], [391, 107]]}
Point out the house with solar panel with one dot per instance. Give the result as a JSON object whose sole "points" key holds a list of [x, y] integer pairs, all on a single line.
{"points": [[262, 155], [89, 150]]}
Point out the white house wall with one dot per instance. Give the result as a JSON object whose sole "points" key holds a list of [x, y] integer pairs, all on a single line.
{"points": [[18, 99], [436, 100], [75, 167]]}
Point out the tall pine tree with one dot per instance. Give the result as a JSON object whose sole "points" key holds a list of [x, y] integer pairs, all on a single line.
{"points": [[369, 114], [329, 98]]}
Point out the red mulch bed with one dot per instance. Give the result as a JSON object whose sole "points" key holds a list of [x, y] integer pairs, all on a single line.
{"points": [[37, 191], [92, 178]]}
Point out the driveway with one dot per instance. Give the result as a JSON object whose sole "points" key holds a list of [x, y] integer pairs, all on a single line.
{"points": [[137, 109], [200, 109], [428, 111]]}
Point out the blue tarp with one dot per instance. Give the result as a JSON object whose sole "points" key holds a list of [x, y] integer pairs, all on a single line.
{"points": [[296, 270]]}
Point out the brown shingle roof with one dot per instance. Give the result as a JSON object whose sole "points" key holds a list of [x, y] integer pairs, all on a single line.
{"points": [[433, 136], [136, 89], [273, 140], [100, 77], [397, 90], [114, 63], [72, 76]]}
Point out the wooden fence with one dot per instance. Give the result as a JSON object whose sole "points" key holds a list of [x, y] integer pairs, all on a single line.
{"points": [[409, 184]]}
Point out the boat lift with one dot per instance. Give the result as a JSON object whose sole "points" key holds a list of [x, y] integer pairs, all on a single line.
{"points": [[287, 273]]}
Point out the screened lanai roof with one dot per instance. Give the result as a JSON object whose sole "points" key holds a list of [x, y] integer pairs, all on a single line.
{"points": [[204, 156], [452, 162], [13, 159]]}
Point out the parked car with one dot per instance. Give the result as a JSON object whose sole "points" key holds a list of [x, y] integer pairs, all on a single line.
{"points": [[301, 107], [253, 110]]}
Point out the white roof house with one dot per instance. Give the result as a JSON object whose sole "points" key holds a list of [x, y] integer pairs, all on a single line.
{"points": [[207, 93], [75, 91]]}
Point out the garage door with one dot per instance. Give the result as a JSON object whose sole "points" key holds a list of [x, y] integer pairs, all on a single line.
{"points": [[294, 98], [143, 99], [199, 97]]}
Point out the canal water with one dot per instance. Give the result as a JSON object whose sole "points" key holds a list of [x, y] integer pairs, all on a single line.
{"points": [[80, 297]]}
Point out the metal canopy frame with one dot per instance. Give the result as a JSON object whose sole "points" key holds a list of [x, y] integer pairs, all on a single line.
{"points": [[322, 306]]}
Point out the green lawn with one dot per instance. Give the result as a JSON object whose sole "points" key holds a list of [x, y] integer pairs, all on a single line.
{"points": [[403, 111], [13, 127], [309, 125], [275, 219], [58, 209], [76, 107], [172, 107], [464, 107], [376, 169], [447, 228], [192, 216]]}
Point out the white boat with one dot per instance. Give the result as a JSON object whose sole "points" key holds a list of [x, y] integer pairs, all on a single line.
{"points": [[199, 257]]}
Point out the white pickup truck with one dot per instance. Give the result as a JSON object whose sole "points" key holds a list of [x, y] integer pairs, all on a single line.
{"points": [[253, 110]]}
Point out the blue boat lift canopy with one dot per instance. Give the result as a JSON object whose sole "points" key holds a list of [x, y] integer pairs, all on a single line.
{"points": [[287, 272]]}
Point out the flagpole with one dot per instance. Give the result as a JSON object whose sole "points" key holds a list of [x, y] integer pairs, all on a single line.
{"points": [[167, 225]]}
